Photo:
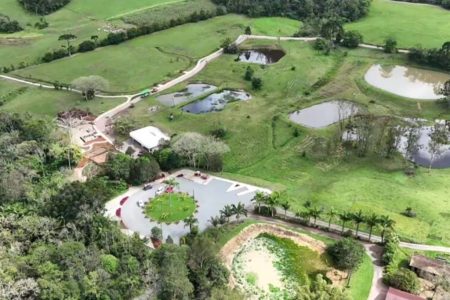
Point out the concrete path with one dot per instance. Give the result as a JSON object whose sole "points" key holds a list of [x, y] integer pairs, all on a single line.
{"points": [[379, 289]]}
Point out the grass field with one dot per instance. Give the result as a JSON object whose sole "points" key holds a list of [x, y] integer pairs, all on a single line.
{"points": [[265, 152], [410, 24], [170, 207], [22, 98], [148, 60]]}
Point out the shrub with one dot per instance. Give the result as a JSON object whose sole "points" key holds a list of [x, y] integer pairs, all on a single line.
{"points": [[86, 46], [390, 45], [403, 279], [219, 133], [249, 73], [321, 44], [352, 39], [9, 26], [409, 212], [110, 263], [256, 83]]}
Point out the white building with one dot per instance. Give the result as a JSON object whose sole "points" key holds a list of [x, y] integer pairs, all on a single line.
{"points": [[149, 137]]}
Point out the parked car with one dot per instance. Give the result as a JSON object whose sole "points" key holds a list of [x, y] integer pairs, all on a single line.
{"points": [[147, 186], [160, 190], [169, 189], [122, 202], [141, 203]]}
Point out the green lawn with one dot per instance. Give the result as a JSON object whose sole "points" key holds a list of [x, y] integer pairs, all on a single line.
{"points": [[148, 60], [361, 281], [22, 98], [410, 24], [265, 152], [170, 207]]}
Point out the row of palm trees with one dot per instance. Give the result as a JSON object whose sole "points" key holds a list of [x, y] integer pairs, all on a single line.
{"points": [[271, 201], [227, 212]]}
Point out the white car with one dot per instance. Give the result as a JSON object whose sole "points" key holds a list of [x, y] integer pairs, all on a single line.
{"points": [[159, 191], [141, 203]]}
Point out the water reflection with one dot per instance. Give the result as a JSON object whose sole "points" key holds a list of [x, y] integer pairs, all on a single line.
{"points": [[261, 56], [324, 114], [216, 102], [407, 81], [190, 92]]}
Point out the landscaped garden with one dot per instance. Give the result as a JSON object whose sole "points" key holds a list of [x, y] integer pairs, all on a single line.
{"points": [[170, 207]]}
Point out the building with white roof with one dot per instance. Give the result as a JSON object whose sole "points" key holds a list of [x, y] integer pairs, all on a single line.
{"points": [[149, 137]]}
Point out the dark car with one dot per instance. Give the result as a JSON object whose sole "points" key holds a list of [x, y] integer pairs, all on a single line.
{"points": [[147, 187]]}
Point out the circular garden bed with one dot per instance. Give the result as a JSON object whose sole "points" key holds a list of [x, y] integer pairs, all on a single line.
{"points": [[170, 207]]}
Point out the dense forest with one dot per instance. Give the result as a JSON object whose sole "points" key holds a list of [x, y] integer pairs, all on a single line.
{"points": [[349, 10], [56, 243], [43, 7]]}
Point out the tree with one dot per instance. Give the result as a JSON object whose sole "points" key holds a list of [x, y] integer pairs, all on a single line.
{"points": [[68, 38], [358, 218], [285, 205], [86, 46], [272, 201], [371, 221], [259, 198], [118, 166], [347, 254], [256, 83], [344, 217], [249, 73], [89, 85], [332, 29], [314, 213], [94, 38], [239, 210], [248, 30], [403, 279], [229, 47], [331, 213], [386, 223], [320, 289], [390, 45], [156, 233], [215, 221], [190, 222], [143, 169], [227, 212], [352, 39], [438, 138]]}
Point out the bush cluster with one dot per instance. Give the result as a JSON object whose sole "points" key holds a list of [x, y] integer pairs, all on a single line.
{"points": [[9, 26], [43, 7], [438, 58]]}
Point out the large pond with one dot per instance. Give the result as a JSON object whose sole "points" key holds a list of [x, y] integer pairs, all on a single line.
{"points": [[407, 81], [191, 91], [423, 155], [216, 102], [324, 114], [261, 56]]}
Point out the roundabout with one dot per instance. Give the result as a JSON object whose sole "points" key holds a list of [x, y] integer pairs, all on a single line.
{"points": [[170, 207]]}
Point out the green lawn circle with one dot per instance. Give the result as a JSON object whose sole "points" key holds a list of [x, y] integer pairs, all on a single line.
{"points": [[170, 207]]}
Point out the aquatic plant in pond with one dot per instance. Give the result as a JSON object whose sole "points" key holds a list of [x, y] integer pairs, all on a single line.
{"points": [[216, 102], [261, 56], [407, 81], [324, 114], [191, 92]]}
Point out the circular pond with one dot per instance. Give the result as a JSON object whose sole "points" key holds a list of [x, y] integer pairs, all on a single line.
{"points": [[407, 82], [261, 56], [324, 114], [170, 207]]}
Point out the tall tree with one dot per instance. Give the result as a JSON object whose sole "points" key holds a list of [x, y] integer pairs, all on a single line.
{"points": [[227, 212], [239, 210], [358, 218], [331, 213], [347, 255], [438, 138], [90, 85], [344, 217], [190, 222], [371, 221], [386, 223], [68, 37]]}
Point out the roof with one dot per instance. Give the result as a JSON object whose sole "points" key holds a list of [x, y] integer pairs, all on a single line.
{"points": [[149, 137], [433, 266], [394, 294]]}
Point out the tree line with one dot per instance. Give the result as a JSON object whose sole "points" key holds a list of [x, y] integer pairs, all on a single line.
{"points": [[266, 204], [43, 7], [349, 10], [435, 57]]}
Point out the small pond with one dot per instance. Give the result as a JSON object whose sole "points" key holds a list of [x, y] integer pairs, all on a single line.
{"points": [[191, 91], [407, 81], [423, 156], [216, 102], [324, 114], [261, 56]]}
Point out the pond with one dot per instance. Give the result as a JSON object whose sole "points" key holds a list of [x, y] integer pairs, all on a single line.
{"points": [[324, 114], [216, 102], [423, 156], [407, 82], [261, 56], [191, 91]]}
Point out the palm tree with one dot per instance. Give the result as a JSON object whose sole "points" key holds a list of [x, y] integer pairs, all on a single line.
{"points": [[215, 221], [286, 205], [331, 214], [190, 221], [314, 213], [227, 212], [358, 218], [372, 221], [239, 210], [386, 223], [272, 201], [344, 217], [259, 198]]}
